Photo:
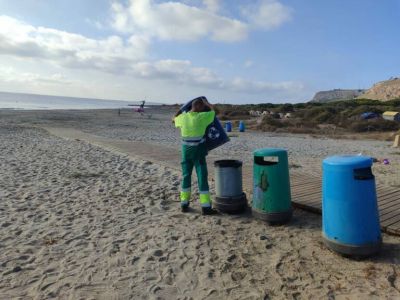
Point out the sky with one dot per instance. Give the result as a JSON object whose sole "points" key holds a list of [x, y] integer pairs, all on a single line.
{"points": [[242, 51]]}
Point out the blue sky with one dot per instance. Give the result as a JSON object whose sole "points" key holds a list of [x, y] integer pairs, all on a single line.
{"points": [[172, 51]]}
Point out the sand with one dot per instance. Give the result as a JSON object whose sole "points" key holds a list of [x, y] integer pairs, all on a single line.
{"points": [[80, 222]]}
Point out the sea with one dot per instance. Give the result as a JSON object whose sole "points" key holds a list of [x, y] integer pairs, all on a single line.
{"points": [[17, 101]]}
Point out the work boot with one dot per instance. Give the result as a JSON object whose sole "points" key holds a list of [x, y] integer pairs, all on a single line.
{"points": [[206, 211], [185, 208]]}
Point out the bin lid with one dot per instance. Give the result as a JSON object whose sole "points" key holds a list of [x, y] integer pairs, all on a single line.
{"points": [[269, 152], [228, 163], [348, 161]]}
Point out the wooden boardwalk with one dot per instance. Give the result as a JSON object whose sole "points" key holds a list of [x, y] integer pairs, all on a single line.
{"points": [[306, 190], [307, 194]]}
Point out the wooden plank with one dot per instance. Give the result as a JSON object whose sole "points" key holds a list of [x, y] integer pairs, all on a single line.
{"points": [[308, 194], [381, 188], [307, 208], [388, 203], [388, 197], [310, 200], [390, 209], [382, 197], [382, 203], [388, 224], [301, 193], [299, 190], [390, 218], [394, 228], [385, 194], [303, 179], [307, 183], [312, 203], [303, 176]]}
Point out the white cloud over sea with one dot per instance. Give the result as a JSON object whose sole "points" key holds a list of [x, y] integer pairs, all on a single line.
{"points": [[126, 55]]}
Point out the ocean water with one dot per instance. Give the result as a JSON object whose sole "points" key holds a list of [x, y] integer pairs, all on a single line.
{"points": [[16, 101]]}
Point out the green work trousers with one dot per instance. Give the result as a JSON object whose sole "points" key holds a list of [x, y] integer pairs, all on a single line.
{"points": [[195, 156]]}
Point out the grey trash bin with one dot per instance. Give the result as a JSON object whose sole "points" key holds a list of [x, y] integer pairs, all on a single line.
{"points": [[230, 197]]}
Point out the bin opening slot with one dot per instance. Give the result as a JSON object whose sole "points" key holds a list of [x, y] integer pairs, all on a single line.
{"points": [[363, 174], [266, 160]]}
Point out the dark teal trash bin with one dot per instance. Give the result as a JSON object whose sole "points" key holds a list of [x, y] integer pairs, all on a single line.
{"points": [[271, 186]]}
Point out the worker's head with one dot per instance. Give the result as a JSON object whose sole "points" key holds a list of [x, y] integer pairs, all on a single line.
{"points": [[198, 105]]}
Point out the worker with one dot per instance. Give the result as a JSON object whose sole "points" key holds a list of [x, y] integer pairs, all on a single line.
{"points": [[193, 125]]}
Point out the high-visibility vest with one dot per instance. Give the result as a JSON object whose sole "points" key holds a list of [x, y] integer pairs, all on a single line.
{"points": [[193, 125]]}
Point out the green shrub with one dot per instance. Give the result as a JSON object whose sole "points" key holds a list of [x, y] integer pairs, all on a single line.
{"points": [[374, 125]]}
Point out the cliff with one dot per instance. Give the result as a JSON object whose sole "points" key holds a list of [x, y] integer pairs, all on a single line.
{"points": [[335, 95], [384, 90]]}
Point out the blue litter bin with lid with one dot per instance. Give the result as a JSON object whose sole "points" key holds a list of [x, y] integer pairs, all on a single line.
{"points": [[241, 126], [350, 218], [228, 126]]}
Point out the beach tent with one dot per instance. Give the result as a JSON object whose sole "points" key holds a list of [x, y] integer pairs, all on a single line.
{"points": [[369, 115], [391, 115]]}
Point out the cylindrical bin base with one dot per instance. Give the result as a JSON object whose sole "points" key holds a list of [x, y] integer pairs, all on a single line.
{"points": [[231, 205], [229, 196], [273, 218], [353, 250]]}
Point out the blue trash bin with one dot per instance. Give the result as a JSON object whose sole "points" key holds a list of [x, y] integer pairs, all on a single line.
{"points": [[228, 126], [350, 218], [215, 133], [241, 126]]}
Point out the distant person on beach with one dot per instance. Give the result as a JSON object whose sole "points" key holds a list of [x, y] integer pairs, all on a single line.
{"points": [[193, 126]]}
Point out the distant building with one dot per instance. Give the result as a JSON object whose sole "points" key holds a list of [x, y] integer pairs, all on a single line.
{"points": [[391, 115], [288, 115]]}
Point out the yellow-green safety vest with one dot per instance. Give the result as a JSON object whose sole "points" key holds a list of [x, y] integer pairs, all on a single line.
{"points": [[193, 125]]}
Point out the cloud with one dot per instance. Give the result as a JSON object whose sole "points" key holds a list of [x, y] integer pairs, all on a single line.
{"points": [[68, 49], [174, 20], [95, 23], [242, 85], [212, 5], [177, 21], [122, 57], [267, 14], [184, 73], [10, 75], [248, 63]]}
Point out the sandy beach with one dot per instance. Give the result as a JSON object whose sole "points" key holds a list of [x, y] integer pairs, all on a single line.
{"points": [[78, 221]]}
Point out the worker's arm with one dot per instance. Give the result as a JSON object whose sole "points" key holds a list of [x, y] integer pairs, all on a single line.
{"points": [[177, 114], [208, 104]]}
